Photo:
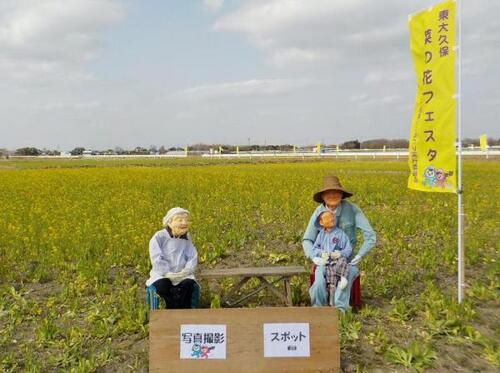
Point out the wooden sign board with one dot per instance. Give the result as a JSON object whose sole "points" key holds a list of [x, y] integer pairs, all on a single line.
{"points": [[244, 339]]}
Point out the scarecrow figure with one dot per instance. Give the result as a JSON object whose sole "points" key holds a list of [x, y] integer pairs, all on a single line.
{"points": [[349, 217], [174, 259]]}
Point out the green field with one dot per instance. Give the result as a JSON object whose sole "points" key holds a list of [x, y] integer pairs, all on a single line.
{"points": [[74, 257]]}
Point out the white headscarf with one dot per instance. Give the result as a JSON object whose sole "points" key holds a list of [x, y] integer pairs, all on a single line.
{"points": [[172, 212]]}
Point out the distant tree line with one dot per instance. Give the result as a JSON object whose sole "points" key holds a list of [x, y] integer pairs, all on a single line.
{"points": [[402, 143], [475, 142], [138, 150], [389, 144], [226, 148], [33, 152]]}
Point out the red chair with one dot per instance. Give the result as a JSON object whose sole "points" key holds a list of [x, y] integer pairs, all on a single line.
{"points": [[355, 298]]}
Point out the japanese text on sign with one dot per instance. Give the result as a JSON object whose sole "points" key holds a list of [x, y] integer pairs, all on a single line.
{"points": [[203, 341], [286, 340]]}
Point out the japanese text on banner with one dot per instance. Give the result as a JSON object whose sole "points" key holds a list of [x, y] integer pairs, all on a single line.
{"points": [[432, 154]]}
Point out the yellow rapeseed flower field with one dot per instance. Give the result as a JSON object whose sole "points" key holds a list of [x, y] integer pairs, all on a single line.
{"points": [[74, 257]]}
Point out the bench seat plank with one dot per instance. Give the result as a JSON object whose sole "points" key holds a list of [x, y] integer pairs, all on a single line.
{"points": [[252, 271]]}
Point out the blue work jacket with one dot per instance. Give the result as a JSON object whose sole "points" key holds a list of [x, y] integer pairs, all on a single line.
{"points": [[349, 217]]}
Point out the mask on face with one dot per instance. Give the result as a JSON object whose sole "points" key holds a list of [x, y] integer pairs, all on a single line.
{"points": [[179, 224], [327, 220]]}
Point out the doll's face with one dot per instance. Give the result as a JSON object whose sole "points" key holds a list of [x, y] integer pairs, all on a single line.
{"points": [[179, 224], [327, 220], [332, 198]]}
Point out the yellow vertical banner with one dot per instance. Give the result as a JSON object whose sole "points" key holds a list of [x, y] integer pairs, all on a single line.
{"points": [[318, 148], [432, 155], [483, 142]]}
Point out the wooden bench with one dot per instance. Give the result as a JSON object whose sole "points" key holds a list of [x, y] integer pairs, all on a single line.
{"points": [[283, 273]]}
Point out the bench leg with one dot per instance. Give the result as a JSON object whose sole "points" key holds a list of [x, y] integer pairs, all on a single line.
{"points": [[227, 299], [268, 285], [288, 292], [286, 298], [256, 291]]}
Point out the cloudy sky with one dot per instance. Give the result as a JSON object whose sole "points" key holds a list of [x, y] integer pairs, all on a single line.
{"points": [[106, 73]]}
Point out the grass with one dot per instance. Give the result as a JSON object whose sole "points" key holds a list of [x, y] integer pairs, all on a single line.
{"points": [[73, 248]]}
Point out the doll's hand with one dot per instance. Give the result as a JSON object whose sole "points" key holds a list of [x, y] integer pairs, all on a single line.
{"points": [[343, 283], [335, 255], [178, 275], [186, 272], [319, 261], [174, 275], [356, 260]]}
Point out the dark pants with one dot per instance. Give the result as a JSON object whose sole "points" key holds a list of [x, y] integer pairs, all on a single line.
{"points": [[178, 296]]}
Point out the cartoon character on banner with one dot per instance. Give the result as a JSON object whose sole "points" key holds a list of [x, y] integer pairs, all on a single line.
{"points": [[441, 176], [436, 177], [430, 176]]}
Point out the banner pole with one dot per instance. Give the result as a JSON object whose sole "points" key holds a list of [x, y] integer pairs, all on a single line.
{"points": [[461, 266]]}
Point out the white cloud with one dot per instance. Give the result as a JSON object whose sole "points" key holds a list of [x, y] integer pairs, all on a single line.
{"points": [[344, 65], [346, 31], [366, 100], [492, 100], [248, 88], [264, 17], [387, 76], [213, 4], [296, 56], [316, 29], [68, 105], [358, 98], [52, 36]]}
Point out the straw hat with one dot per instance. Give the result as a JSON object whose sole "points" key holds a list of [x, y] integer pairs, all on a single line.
{"points": [[331, 183]]}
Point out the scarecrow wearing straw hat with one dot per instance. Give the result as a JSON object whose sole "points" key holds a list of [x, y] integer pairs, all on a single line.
{"points": [[349, 217], [174, 259]]}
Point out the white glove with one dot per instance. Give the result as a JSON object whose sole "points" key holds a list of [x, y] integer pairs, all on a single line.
{"points": [[325, 255], [356, 260], [178, 275], [186, 272], [335, 255], [342, 283], [319, 261], [173, 275]]}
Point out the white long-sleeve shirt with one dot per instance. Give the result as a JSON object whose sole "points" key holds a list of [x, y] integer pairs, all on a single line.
{"points": [[170, 254]]}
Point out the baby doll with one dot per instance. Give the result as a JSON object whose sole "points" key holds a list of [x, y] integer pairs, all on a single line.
{"points": [[331, 250]]}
